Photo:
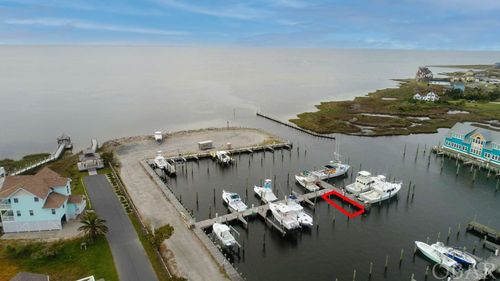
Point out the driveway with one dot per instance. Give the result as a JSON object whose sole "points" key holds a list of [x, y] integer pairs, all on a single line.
{"points": [[130, 258]]}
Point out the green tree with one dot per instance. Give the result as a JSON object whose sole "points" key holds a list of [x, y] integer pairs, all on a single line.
{"points": [[93, 226], [161, 234]]}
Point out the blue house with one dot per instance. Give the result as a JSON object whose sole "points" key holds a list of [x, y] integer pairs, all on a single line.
{"points": [[472, 141], [38, 202]]}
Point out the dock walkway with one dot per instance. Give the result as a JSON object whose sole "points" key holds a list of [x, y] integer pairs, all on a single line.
{"points": [[249, 149], [484, 230], [260, 210], [54, 156], [296, 127]]}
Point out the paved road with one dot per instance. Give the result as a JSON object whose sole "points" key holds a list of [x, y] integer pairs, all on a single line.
{"points": [[130, 258]]}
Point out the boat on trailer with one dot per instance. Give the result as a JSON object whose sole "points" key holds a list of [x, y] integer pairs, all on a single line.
{"points": [[223, 234], [233, 201], [265, 192]]}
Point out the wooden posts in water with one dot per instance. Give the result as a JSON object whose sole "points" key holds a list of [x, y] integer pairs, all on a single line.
{"points": [[426, 272], [371, 270], [404, 151], [401, 256], [354, 275], [386, 262]]}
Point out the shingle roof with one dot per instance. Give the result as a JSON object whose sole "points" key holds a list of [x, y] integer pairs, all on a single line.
{"points": [[28, 276], [465, 129], [54, 200], [38, 184]]}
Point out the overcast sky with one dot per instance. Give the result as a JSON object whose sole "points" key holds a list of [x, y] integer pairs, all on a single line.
{"points": [[398, 24]]}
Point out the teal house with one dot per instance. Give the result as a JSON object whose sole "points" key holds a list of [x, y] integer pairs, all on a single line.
{"points": [[38, 202], [476, 142]]}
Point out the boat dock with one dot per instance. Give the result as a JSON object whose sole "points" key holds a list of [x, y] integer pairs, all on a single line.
{"points": [[295, 127], [484, 230], [64, 142], [261, 211], [466, 160], [251, 149]]}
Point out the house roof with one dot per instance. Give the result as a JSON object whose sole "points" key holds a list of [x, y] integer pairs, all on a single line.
{"points": [[38, 184], [75, 199], [465, 129], [54, 200], [28, 276]]}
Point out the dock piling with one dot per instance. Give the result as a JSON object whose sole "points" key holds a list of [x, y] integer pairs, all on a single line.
{"points": [[386, 262]]}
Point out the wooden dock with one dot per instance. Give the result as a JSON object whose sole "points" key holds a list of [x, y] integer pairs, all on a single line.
{"points": [[244, 150], [259, 210], [295, 127], [467, 160], [484, 230]]}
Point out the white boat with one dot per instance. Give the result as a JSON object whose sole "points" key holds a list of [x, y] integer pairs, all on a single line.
{"points": [[304, 218], [158, 136], [223, 233], [161, 163], [223, 157], [332, 170], [456, 254], [381, 190], [444, 261], [285, 214], [265, 192], [308, 180], [233, 201], [363, 183]]}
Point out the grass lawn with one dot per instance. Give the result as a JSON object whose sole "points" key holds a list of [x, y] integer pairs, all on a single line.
{"points": [[12, 165], [71, 263]]}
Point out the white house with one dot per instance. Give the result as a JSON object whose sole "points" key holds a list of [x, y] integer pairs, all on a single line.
{"points": [[431, 96], [38, 202], [417, 97]]}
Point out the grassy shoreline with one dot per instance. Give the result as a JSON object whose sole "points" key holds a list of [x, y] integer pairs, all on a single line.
{"points": [[392, 111]]}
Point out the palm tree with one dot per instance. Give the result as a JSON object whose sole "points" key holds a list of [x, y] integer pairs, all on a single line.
{"points": [[93, 226]]}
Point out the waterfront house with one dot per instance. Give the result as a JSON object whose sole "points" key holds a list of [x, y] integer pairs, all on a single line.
{"points": [[89, 159], [474, 142], [38, 202], [497, 65], [417, 96], [3, 174], [431, 96]]}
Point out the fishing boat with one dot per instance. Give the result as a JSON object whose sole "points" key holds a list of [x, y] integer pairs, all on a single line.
{"points": [[381, 190], [363, 183], [444, 261], [265, 192], [233, 201], [308, 180], [223, 158], [304, 218], [456, 254], [332, 170], [161, 163], [285, 214], [223, 234]]}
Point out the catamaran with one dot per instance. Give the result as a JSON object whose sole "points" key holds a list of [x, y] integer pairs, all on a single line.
{"points": [[161, 163], [223, 234], [456, 254], [265, 192], [444, 261], [233, 201], [381, 190], [223, 157], [308, 180], [285, 214]]}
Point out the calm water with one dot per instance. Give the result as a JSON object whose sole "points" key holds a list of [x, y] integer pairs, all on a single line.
{"points": [[441, 200], [108, 92]]}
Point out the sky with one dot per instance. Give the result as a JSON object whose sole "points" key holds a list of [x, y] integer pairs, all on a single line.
{"points": [[374, 24]]}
